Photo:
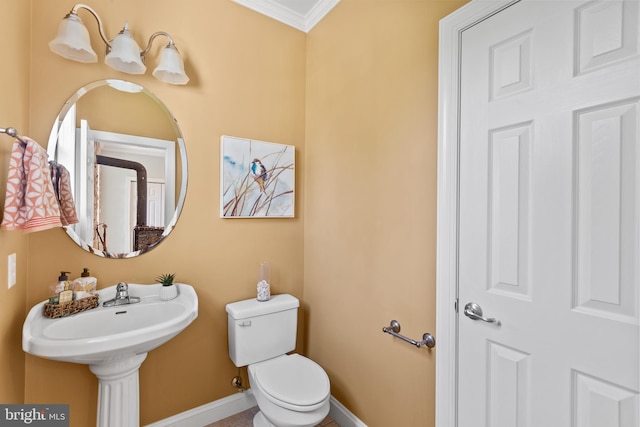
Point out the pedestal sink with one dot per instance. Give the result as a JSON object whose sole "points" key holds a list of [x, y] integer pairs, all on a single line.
{"points": [[113, 341]]}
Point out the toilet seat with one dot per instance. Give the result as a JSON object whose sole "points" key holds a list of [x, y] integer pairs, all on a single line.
{"points": [[292, 382]]}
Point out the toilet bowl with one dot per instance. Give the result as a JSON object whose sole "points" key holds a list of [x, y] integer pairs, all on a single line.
{"points": [[291, 391]]}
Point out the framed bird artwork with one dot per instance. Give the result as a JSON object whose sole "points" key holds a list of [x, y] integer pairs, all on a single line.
{"points": [[257, 179]]}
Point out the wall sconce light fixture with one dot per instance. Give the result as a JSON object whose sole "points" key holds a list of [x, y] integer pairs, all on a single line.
{"points": [[122, 52]]}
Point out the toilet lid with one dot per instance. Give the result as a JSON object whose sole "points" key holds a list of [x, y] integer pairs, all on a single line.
{"points": [[293, 379]]}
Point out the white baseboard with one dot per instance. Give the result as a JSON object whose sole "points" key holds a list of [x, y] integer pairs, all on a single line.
{"points": [[341, 415], [210, 412], [236, 403]]}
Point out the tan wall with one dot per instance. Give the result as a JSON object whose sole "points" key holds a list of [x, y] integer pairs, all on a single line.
{"points": [[14, 112], [370, 209], [365, 133], [107, 109], [248, 80]]}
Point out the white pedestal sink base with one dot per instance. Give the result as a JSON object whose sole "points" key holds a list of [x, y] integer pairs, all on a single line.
{"points": [[118, 392], [113, 341]]}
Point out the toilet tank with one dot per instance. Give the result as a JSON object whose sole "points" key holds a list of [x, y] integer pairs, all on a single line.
{"points": [[261, 330]]}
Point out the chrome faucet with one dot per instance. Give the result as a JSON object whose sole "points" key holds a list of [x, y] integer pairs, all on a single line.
{"points": [[122, 291], [122, 296]]}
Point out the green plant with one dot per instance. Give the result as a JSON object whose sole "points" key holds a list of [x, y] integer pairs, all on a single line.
{"points": [[166, 279]]}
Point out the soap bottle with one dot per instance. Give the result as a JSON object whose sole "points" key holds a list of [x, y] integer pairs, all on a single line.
{"points": [[62, 291], [85, 285]]}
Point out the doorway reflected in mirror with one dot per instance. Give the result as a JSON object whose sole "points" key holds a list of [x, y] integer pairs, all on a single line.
{"points": [[128, 166]]}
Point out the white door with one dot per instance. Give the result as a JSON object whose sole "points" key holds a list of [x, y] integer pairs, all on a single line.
{"points": [[155, 203], [549, 216]]}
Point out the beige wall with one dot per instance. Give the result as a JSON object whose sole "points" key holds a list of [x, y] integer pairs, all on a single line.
{"points": [[14, 112], [370, 209], [247, 79], [357, 96]]}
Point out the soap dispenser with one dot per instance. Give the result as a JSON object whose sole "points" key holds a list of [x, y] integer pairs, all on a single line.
{"points": [[62, 291], [85, 285], [63, 282]]}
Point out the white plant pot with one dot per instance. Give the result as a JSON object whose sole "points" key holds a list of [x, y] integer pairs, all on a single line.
{"points": [[168, 292]]}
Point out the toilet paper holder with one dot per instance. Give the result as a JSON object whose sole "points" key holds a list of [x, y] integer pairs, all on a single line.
{"points": [[394, 329]]}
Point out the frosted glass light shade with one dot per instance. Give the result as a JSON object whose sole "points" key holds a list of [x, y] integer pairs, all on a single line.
{"points": [[171, 67], [125, 54], [122, 52], [72, 41]]}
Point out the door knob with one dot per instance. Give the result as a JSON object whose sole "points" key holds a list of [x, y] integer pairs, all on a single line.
{"points": [[474, 312]]}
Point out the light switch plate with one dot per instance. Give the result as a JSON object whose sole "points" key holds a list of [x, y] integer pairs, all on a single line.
{"points": [[11, 270]]}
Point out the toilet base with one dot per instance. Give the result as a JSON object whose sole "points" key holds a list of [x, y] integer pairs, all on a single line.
{"points": [[259, 420]]}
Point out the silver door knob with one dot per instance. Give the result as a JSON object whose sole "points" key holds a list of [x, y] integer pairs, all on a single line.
{"points": [[474, 312]]}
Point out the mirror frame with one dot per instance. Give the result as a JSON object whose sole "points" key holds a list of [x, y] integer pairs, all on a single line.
{"points": [[53, 147]]}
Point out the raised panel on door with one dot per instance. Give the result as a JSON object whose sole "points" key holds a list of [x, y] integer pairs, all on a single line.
{"points": [[606, 211], [509, 193]]}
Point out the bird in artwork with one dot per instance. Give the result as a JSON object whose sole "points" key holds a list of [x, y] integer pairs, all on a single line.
{"points": [[259, 173]]}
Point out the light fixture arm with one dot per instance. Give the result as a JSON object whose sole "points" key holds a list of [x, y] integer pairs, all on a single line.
{"points": [[153, 36], [74, 11]]}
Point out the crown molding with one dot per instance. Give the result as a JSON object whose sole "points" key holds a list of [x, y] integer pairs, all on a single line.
{"points": [[277, 11]]}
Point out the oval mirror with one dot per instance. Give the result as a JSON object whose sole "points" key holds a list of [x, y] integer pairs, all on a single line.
{"points": [[127, 164]]}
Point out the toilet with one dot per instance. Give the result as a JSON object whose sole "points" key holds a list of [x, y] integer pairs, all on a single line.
{"points": [[291, 390]]}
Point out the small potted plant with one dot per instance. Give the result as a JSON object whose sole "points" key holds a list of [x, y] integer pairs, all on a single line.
{"points": [[168, 290]]}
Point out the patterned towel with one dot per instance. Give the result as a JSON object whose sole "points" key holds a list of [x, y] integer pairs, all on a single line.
{"points": [[30, 202], [62, 186]]}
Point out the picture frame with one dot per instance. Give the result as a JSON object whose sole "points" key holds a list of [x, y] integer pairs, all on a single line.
{"points": [[257, 179]]}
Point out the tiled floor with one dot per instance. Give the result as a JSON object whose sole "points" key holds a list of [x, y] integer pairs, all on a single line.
{"points": [[245, 419]]}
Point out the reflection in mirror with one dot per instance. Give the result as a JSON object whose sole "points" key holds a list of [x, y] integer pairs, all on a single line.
{"points": [[128, 167]]}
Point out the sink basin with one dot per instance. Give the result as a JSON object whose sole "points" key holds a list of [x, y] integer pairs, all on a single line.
{"points": [[113, 341], [102, 333]]}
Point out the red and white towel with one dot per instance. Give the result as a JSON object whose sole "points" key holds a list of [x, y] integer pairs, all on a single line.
{"points": [[30, 202], [62, 186]]}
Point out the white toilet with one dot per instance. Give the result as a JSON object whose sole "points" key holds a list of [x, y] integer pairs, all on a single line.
{"points": [[291, 390]]}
